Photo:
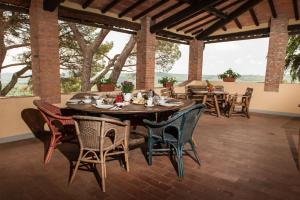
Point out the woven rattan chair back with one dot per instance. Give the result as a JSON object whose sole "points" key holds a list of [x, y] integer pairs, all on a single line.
{"points": [[99, 138], [190, 119], [56, 123]]}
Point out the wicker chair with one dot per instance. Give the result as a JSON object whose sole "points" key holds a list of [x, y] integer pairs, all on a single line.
{"points": [[242, 101], [175, 133], [99, 138], [58, 124]]}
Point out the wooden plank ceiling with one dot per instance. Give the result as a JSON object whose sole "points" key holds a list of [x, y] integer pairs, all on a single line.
{"points": [[209, 20]]}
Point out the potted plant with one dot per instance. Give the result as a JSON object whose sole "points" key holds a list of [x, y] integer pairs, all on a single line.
{"points": [[127, 88], [105, 85], [229, 76], [167, 82]]}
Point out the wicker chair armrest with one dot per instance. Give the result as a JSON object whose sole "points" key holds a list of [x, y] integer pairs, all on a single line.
{"points": [[56, 116], [109, 120]]}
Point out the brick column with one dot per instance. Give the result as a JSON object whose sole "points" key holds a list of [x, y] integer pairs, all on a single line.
{"points": [[195, 59], [276, 54], [145, 66], [44, 52]]}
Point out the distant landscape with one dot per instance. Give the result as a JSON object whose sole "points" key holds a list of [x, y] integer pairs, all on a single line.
{"points": [[22, 83]]}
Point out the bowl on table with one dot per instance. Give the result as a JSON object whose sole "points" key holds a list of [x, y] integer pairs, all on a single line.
{"points": [[87, 101]]}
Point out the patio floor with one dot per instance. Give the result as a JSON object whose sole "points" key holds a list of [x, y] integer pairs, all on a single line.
{"points": [[242, 159]]}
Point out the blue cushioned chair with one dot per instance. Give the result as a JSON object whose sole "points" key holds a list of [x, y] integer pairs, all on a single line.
{"points": [[174, 133]]}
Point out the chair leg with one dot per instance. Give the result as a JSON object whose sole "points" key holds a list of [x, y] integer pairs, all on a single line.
{"points": [[149, 151], [51, 148], [180, 163], [126, 159], [76, 167], [230, 110], [103, 175], [195, 152]]}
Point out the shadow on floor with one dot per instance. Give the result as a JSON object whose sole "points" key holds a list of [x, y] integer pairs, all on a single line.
{"points": [[292, 130], [36, 123]]}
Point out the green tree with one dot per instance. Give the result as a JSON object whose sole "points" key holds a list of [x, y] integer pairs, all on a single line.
{"points": [[14, 33], [89, 67], [292, 59], [167, 53]]}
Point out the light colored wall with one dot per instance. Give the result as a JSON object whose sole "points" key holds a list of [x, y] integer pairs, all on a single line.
{"points": [[11, 122], [284, 102]]}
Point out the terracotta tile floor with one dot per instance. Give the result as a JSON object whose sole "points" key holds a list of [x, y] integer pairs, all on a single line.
{"points": [[242, 159]]}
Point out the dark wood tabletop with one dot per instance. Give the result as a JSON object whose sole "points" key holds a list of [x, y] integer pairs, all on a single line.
{"points": [[130, 109]]}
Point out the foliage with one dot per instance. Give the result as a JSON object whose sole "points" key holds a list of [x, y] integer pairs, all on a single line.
{"points": [[71, 56], [127, 87], [70, 84], [167, 53], [167, 79], [292, 59], [229, 74], [14, 33], [105, 80]]}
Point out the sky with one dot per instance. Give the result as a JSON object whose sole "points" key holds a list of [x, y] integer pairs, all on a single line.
{"points": [[244, 57]]}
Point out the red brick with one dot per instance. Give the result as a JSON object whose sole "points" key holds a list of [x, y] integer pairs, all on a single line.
{"points": [[276, 53], [45, 52], [195, 60], [145, 66]]}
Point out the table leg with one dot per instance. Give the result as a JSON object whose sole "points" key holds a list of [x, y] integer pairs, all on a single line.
{"points": [[204, 99], [217, 105]]}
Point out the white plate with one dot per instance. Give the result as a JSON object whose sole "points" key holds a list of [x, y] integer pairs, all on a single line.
{"points": [[73, 101], [170, 104], [104, 106]]}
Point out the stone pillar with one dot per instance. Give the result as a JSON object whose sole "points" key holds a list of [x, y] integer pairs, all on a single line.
{"points": [[276, 54], [145, 66], [44, 38], [195, 60]]}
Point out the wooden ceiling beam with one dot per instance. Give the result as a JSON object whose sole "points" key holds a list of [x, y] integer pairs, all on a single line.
{"points": [[50, 5], [70, 13], [238, 23], [167, 10], [222, 22], [182, 14], [246, 35], [131, 7], [296, 11], [193, 15], [14, 8], [87, 3], [208, 15], [216, 12], [200, 26], [110, 6], [272, 8], [254, 17], [148, 10]]}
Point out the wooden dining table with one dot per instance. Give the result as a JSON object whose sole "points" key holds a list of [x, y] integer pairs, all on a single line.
{"points": [[131, 109], [214, 94]]}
